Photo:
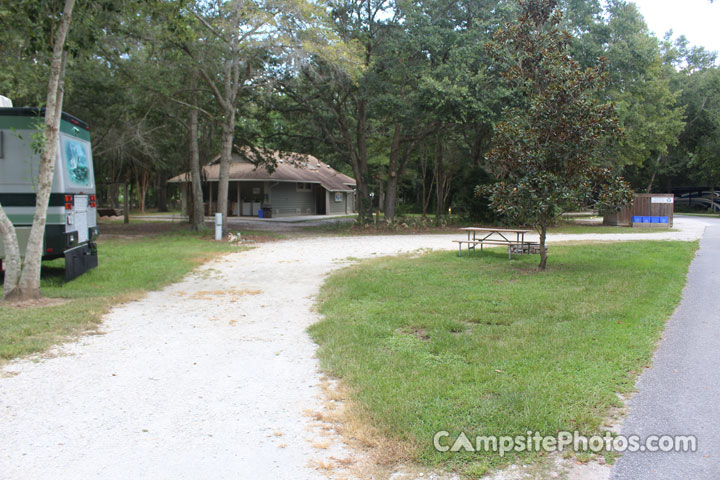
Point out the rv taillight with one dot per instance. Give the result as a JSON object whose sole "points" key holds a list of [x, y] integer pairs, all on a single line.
{"points": [[93, 201], [68, 202]]}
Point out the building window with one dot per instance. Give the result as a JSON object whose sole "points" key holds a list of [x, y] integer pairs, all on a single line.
{"points": [[338, 197], [304, 187]]}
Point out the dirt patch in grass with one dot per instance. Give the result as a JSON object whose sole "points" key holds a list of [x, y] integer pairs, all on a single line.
{"points": [[36, 303], [211, 295], [380, 455]]}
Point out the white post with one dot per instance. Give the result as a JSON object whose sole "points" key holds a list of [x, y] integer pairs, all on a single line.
{"points": [[218, 226]]}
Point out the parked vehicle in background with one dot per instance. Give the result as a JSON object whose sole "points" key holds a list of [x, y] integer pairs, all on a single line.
{"points": [[705, 200], [71, 228]]}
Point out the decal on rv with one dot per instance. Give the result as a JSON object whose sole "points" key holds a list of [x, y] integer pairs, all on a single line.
{"points": [[76, 160]]}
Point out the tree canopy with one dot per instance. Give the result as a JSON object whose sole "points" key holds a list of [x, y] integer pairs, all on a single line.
{"points": [[549, 148], [411, 98]]}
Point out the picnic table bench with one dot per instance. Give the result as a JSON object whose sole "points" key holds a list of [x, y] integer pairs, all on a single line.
{"points": [[498, 236], [109, 212]]}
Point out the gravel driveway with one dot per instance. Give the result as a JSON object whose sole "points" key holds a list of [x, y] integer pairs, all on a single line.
{"points": [[212, 377]]}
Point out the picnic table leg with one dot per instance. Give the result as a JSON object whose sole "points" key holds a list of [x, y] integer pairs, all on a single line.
{"points": [[459, 249]]}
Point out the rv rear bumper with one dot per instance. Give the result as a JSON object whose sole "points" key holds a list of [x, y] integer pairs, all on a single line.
{"points": [[79, 260]]}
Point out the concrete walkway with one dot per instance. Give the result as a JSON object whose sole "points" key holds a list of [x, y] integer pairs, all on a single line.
{"points": [[680, 393]]}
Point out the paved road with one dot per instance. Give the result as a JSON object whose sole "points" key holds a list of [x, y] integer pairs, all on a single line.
{"points": [[680, 393]]}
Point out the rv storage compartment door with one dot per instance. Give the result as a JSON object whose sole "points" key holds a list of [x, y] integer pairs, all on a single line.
{"points": [[81, 221]]}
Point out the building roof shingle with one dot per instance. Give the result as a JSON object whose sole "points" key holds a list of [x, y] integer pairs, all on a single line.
{"points": [[290, 167]]}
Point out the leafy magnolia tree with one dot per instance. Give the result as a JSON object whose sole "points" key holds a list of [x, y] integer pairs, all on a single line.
{"points": [[546, 153]]}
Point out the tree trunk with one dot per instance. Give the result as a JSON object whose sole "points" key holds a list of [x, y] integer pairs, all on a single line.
{"points": [[380, 196], [393, 172], [29, 285], [198, 213], [652, 178], [441, 180], [114, 194], [426, 191], [126, 206], [225, 161], [712, 197], [543, 253], [142, 183], [161, 187], [12, 256], [391, 197], [360, 163]]}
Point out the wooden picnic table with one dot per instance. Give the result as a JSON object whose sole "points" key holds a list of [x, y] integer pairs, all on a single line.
{"points": [[496, 236]]}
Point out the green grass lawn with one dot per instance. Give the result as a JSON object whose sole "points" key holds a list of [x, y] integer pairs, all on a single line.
{"points": [[127, 268], [487, 346]]}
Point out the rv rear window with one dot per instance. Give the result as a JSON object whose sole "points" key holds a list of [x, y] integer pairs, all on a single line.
{"points": [[77, 162]]}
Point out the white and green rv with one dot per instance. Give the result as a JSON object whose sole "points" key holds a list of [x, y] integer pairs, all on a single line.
{"points": [[71, 227]]}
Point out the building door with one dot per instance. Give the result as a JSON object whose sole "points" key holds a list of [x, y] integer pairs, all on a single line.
{"points": [[320, 200]]}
